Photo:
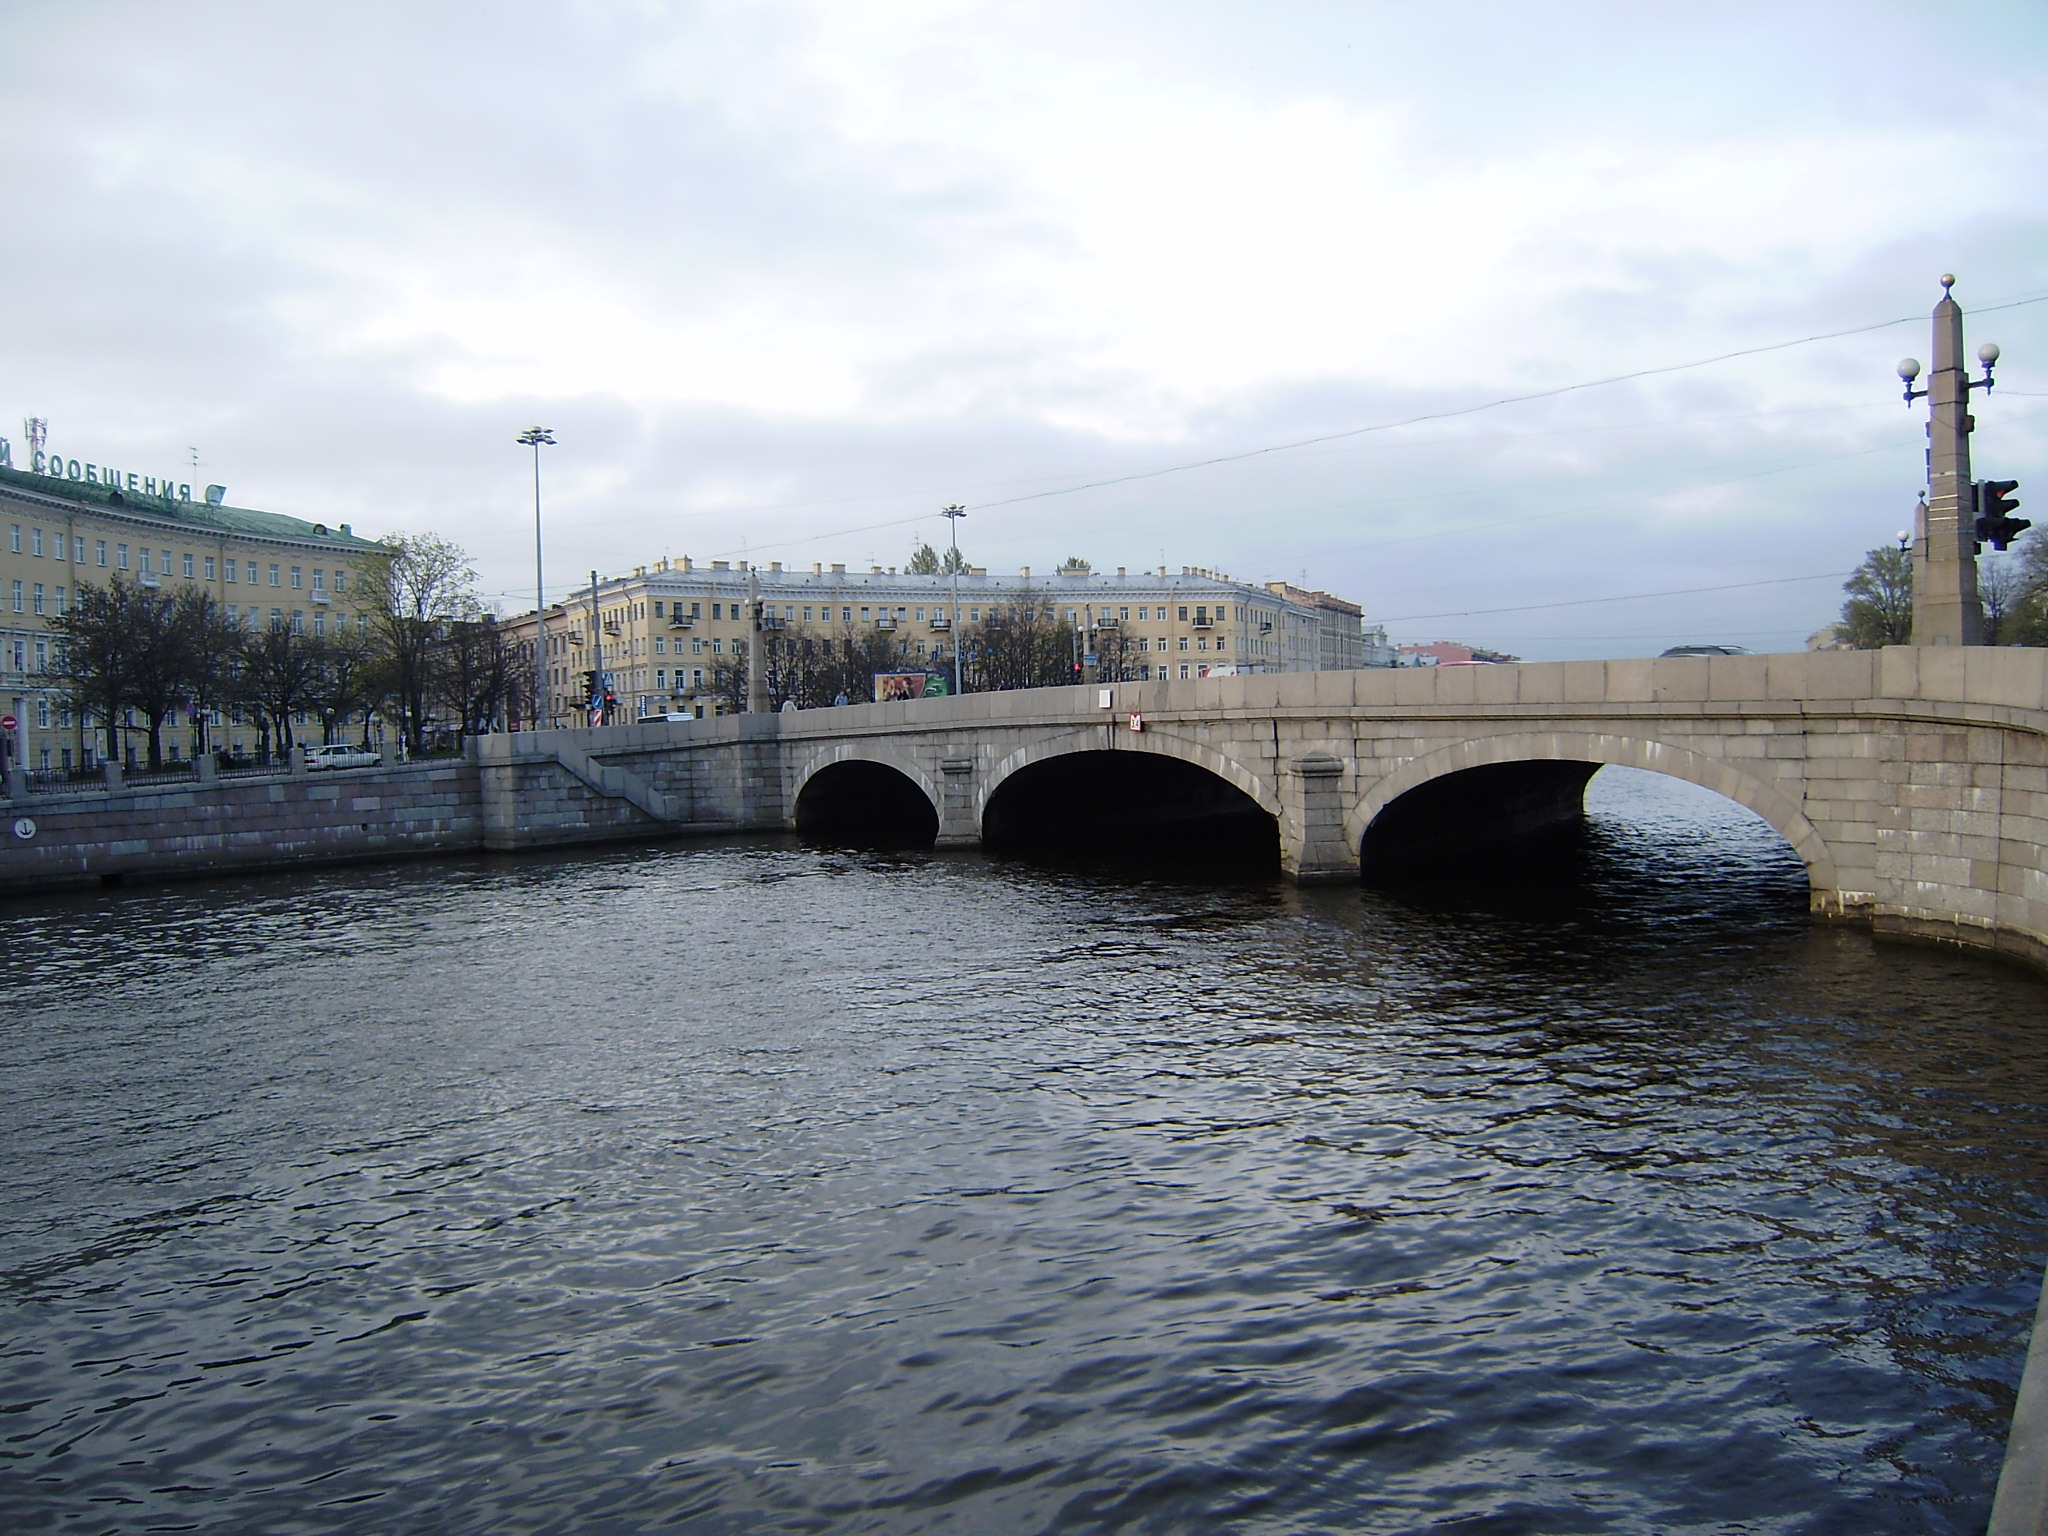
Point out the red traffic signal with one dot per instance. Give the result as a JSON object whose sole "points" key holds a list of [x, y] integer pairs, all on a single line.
{"points": [[1996, 503]]}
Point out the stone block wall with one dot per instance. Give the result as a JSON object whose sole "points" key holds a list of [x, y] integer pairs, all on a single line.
{"points": [[239, 824]]}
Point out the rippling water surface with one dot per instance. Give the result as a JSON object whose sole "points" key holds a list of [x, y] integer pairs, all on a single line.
{"points": [[748, 1187]]}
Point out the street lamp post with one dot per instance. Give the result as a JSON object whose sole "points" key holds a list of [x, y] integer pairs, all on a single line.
{"points": [[532, 438], [952, 515]]}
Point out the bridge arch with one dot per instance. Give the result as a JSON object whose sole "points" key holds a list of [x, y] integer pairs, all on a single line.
{"points": [[836, 785], [1162, 743], [1772, 803]]}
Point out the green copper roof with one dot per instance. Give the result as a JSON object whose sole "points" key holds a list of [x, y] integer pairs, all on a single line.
{"points": [[191, 514]]}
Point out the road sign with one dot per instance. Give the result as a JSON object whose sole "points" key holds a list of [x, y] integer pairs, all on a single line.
{"points": [[8, 722], [24, 829]]}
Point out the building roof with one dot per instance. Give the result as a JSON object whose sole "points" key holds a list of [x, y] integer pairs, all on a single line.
{"points": [[196, 515]]}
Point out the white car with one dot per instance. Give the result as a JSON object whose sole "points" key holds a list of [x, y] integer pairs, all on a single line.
{"points": [[340, 754]]}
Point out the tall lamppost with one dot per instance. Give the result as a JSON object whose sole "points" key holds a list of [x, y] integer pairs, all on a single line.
{"points": [[532, 438], [1946, 610], [952, 515]]}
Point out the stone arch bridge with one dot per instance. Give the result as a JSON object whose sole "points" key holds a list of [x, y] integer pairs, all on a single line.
{"points": [[1912, 782]]}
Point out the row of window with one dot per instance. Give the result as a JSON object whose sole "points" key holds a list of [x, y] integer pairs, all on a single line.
{"points": [[1198, 613], [166, 562]]}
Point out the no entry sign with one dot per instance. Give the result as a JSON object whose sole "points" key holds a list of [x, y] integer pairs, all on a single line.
{"points": [[8, 722]]}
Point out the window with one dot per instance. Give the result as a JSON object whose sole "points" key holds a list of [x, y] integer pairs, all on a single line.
{"points": [[660, 645], [696, 610], [43, 658], [696, 647], [1202, 644], [807, 615], [718, 610], [1183, 646], [276, 619], [298, 579], [341, 581], [1183, 665], [14, 538], [661, 677], [40, 608], [188, 566], [212, 568], [42, 714], [788, 611], [36, 541], [276, 576], [252, 572], [142, 562], [99, 547], [974, 614], [58, 595], [864, 615], [20, 652], [17, 609], [121, 556], [1183, 613], [319, 621], [1123, 615], [718, 647]]}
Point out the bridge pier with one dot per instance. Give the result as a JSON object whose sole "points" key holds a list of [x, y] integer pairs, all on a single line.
{"points": [[957, 826], [1313, 847]]}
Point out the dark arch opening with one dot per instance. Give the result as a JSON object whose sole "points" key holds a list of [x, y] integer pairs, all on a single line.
{"points": [[1132, 808], [868, 804], [1464, 813], [1551, 843]]}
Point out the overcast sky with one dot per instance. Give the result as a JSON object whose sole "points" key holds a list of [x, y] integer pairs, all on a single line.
{"points": [[784, 279]]}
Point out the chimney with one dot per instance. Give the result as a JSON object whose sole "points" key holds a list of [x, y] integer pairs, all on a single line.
{"points": [[639, 570], [874, 570], [1120, 570], [774, 565], [1162, 570], [977, 570], [720, 565], [1025, 572], [838, 570], [686, 562], [817, 569], [740, 565], [345, 532]]}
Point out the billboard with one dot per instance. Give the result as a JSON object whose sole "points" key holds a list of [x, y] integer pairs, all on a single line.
{"points": [[911, 685]]}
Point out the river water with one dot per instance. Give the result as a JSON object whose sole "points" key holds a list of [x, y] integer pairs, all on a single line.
{"points": [[752, 1187]]}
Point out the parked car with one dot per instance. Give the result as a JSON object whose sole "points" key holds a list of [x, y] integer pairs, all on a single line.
{"points": [[340, 754]]}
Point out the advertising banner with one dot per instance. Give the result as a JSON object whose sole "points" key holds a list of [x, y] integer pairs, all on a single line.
{"points": [[911, 685]]}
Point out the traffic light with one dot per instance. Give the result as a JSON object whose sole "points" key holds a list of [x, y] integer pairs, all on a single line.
{"points": [[1996, 503]]}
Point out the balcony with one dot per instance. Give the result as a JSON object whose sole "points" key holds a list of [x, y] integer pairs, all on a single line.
{"points": [[147, 579], [1202, 622], [886, 626], [942, 624], [321, 598], [611, 627], [679, 622], [1109, 624]]}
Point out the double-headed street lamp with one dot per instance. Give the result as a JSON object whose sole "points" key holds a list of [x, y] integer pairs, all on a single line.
{"points": [[532, 438]]}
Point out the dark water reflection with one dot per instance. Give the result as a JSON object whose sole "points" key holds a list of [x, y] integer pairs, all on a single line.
{"points": [[756, 1188]]}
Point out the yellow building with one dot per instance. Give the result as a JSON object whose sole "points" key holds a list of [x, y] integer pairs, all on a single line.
{"points": [[660, 633], [66, 524]]}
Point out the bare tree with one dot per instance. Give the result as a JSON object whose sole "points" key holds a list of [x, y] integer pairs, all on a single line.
{"points": [[95, 648], [348, 681], [416, 594], [482, 678], [280, 677]]}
